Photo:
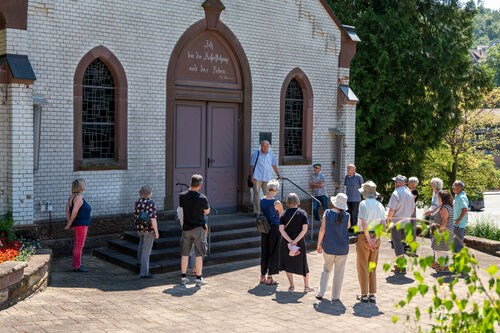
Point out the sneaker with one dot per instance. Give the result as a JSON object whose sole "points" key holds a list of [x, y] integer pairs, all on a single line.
{"points": [[184, 280], [80, 269], [200, 282]]}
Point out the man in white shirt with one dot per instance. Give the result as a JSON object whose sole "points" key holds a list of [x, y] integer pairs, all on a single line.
{"points": [[401, 207], [261, 163]]}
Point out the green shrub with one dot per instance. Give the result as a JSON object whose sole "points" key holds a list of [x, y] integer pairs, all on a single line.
{"points": [[6, 227], [484, 227]]}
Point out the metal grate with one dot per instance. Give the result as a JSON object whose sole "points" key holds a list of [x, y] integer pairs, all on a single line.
{"points": [[294, 107], [98, 112]]}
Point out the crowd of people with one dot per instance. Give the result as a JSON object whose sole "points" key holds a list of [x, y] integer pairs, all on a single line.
{"points": [[283, 247]]}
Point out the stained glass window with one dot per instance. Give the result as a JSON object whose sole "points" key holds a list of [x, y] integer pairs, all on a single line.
{"points": [[98, 112], [294, 107]]}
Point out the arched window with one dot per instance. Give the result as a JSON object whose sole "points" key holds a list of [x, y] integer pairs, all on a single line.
{"points": [[2, 21], [100, 112], [296, 119]]}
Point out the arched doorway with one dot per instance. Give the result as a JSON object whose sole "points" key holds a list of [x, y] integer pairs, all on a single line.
{"points": [[208, 115]]}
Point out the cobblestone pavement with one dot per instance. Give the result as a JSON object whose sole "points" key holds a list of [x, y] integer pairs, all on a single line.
{"points": [[112, 299]]}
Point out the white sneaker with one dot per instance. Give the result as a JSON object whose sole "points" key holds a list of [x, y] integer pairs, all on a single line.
{"points": [[200, 282], [184, 280]]}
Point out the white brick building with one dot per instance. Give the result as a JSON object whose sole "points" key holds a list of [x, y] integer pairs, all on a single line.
{"points": [[160, 88]]}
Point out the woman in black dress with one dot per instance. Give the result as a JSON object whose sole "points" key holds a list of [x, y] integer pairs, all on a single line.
{"points": [[293, 228]]}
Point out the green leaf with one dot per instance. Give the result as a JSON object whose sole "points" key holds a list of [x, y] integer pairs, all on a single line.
{"points": [[386, 267], [401, 262], [398, 226], [371, 266], [419, 277], [437, 301], [395, 319], [423, 288], [356, 228], [402, 303], [448, 304], [412, 291], [379, 229], [492, 270], [446, 236], [417, 313], [413, 246], [440, 281]]}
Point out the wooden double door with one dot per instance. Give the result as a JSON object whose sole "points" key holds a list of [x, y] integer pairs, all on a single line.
{"points": [[206, 143]]}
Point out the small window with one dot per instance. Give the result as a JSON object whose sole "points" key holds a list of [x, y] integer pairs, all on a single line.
{"points": [[294, 112], [98, 112]]}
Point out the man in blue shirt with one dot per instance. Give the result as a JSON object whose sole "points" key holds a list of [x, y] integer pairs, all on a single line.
{"points": [[460, 208], [352, 184], [261, 163]]}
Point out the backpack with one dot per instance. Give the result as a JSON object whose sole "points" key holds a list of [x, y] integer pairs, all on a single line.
{"points": [[144, 220]]}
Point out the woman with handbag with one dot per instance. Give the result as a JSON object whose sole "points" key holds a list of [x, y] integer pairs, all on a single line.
{"points": [[147, 232], [443, 221], [78, 217], [269, 243], [293, 228], [333, 242]]}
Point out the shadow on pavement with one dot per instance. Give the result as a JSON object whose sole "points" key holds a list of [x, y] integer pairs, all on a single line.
{"points": [[262, 290], [286, 297], [399, 279], [105, 276], [334, 308], [366, 310], [181, 291]]}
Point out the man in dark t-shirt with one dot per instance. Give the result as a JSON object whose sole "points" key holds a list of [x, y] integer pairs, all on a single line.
{"points": [[194, 206]]}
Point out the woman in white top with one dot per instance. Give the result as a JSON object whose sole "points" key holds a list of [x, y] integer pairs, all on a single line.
{"points": [[371, 214]]}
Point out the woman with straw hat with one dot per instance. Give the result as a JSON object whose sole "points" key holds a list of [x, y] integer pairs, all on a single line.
{"points": [[333, 242], [371, 214]]}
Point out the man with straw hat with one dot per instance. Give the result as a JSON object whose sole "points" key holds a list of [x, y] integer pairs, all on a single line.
{"points": [[371, 213], [401, 206]]}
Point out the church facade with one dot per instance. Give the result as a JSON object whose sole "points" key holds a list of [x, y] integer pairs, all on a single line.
{"points": [[126, 93]]}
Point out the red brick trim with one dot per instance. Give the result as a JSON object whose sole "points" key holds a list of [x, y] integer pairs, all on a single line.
{"points": [[120, 80], [15, 14], [307, 91]]}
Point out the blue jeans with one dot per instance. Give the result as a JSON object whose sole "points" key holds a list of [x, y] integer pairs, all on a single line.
{"points": [[459, 238], [324, 203]]}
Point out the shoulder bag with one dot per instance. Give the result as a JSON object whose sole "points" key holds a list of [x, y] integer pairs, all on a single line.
{"points": [[249, 180]]}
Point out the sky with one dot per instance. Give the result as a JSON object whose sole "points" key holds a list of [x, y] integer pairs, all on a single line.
{"points": [[493, 4]]}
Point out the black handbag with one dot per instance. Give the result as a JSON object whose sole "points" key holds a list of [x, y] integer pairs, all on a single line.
{"points": [[263, 225], [144, 220], [249, 180]]}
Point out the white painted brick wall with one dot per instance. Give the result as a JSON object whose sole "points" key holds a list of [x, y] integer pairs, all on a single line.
{"points": [[142, 35], [4, 149]]}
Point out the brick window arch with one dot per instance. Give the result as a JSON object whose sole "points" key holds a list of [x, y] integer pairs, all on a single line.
{"points": [[296, 119], [100, 112]]}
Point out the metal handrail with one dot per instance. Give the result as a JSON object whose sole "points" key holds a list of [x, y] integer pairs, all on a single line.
{"points": [[212, 209], [309, 195]]}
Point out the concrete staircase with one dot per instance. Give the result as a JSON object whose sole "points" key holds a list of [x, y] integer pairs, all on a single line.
{"points": [[234, 237]]}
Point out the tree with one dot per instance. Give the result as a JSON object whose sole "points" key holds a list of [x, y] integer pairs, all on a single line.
{"points": [[493, 62], [408, 72], [461, 154]]}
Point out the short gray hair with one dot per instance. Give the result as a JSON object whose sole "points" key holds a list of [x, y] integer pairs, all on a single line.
{"points": [[438, 183], [196, 180], [273, 185], [292, 200], [459, 183], [413, 180], [145, 191]]}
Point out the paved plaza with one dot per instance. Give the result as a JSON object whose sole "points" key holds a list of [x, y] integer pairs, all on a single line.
{"points": [[112, 299]]}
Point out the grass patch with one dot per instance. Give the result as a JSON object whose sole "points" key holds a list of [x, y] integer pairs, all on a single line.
{"points": [[483, 227]]}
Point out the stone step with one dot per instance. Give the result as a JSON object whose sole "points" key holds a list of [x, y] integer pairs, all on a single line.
{"points": [[130, 248], [173, 241]]}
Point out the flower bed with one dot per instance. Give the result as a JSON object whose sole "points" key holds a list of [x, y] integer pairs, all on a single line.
{"points": [[19, 249]]}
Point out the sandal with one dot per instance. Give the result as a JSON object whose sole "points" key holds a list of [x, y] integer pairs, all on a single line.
{"points": [[443, 269], [262, 280], [271, 282], [435, 265], [372, 299], [318, 297], [291, 289], [308, 289], [362, 298]]}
